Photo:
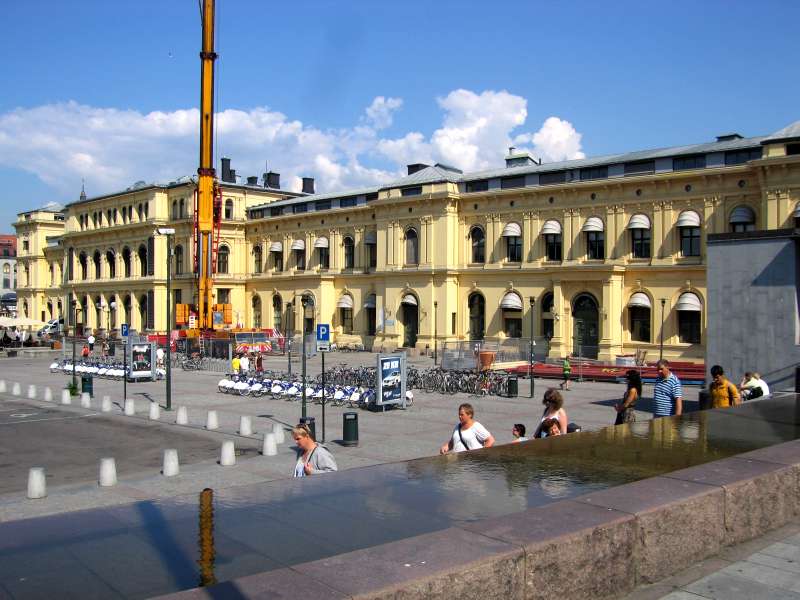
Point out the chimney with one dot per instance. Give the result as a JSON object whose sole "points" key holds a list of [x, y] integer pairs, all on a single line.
{"points": [[226, 169], [253, 180], [416, 167], [308, 185], [273, 180]]}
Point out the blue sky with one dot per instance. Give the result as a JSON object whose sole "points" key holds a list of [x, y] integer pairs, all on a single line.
{"points": [[297, 80]]}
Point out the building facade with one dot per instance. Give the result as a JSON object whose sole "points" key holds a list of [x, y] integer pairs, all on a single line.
{"points": [[602, 256]]}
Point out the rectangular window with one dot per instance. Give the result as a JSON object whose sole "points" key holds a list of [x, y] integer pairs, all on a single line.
{"points": [[689, 326], [514, 248], [682, 163], [738, 157], [551, 178], [324, 258], [223, 295], [300, 208], [347, 202], [594, 173], [412, 191], [178, 296], [507, 183], [642, 167], [25, 245], [478, 186], [792, 149], [372, 196], [372, 255], [512, 324], [300, 259], [277, 260], [595, 245], [323, 205], [276, 211], [640, 323], [452, 323], [690, 241], [552, 242], [370, 320], [640, 242], [346, 316]]}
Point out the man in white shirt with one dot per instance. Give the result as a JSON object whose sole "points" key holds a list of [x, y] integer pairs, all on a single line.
{"points": [[468, 434], [160, 357], [244, 364], [90, 341]]}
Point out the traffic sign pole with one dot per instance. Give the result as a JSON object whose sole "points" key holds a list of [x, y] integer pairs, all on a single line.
{"points": [[124, 331], [323, 345]]}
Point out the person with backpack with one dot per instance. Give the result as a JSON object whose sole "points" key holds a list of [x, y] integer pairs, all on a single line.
{"points": [[723, 393]]}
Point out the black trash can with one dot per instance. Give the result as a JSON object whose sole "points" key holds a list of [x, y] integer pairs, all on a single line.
{"points": [[704, 399], [512, 386], [350, 429], [87, 385], [312, 427]]}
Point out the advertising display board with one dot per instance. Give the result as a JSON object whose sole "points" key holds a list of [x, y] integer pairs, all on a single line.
{"points": [[142, 360], [391, 380]]}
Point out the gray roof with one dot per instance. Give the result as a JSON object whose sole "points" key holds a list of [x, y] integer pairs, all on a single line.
{"points": [[315, 197], [790, 132], [437, 172]]}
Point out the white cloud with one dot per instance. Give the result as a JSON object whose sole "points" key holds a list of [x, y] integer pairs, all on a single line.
{"points": [[111, 148]]}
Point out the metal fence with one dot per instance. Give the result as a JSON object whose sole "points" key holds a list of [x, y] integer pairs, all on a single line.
{"points": [[464, 355]]}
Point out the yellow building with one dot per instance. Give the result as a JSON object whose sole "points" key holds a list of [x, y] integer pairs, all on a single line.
{"points": [[591, 254]]}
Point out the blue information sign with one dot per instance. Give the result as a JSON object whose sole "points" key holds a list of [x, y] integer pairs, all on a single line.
{"points": [[124, 329], [323, 337]]}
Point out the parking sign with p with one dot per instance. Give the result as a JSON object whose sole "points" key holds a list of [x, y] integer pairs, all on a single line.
{"points": [[323, 337]]}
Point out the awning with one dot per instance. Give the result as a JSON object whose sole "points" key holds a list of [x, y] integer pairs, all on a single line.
{"points": [[371, 237], [345, 302], [276, 247], [743, 214], [321, 242], [593, 224], [298, 245], [639, 299], [511, 301], [512, 230], [551, 227], [688, 218], [689, 302], [370, 303], [409, 299], [639, 221]]}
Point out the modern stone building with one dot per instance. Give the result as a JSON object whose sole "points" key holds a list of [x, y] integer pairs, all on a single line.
{"points": [[593, 254]]}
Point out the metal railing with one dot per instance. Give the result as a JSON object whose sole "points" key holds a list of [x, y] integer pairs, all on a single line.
{"points": [[464, 354]]}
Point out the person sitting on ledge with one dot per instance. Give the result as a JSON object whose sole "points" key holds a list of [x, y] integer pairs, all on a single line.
{"points": [[553, 411]]}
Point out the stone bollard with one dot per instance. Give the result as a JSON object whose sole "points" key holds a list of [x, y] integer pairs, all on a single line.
{"points": [[86, 400], [155, 411], [130, 407], [32, 392], [227, 457], [66, 398], [105, 404], [108, 472], [245, 425], [37, 486], [2, 386], [270, 447], [212, 422], [170, 466], [48, 394], [182, 417], [16, 389], [277, 429]]}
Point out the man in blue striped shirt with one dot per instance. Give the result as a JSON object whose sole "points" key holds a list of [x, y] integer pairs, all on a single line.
{"points": [[667, 393]]}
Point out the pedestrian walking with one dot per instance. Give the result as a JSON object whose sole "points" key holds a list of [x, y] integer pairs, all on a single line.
{"points": [[723, 393], [160, 357], [244, 364], [518, 432], [469, 434], [259, 363], [91, 341], [553, 415], [667, 392], [312, 458], [105, 348], [625, 407], [85, 351], [235, 364], [566, 371]]}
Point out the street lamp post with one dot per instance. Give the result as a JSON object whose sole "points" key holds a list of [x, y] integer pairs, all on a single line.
{"points": [[304, 303], [169, 232], [530, 355], [74, 304], [661, 345], [435, 330]]}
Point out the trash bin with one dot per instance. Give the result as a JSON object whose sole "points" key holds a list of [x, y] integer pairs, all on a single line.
{"points": [[512, 386], [87, 385], [312, 427], [704, 399], [350, 429]]}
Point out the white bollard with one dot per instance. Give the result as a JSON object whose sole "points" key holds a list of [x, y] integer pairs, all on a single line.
{"points": [[37, 486], [245, 425], [212, 422], [105, 404], [2, 386], [66, 398], [170, 466], [48, 394], [86, 400], [130, 407], [228, 456], [32, 392], [16, 389], [182, 417], [155, 411], [108, 472], [277, 429], [270, 447]]}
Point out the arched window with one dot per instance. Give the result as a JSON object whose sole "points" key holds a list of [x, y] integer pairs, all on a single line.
{"points": [[477, 315], [511, 306], [345, 306], [82, 260], [512, 232], [182, 210], [594, 229], [142, 253], [349, 252], [179, 260], [478, 239], [277, 310], [115, 216], [689, 309], [174, 209], [412, 247], [111, 259], [222, 259], [547, 315], [140, 212], [742, 219], [143, 311], [257, 259], [228, 208], [126, 260], [323, 254], [96, 261], [639, 226], [639, 309], [257, 312], [146, 210], [689, 231], [552, 240], [52, 275]]}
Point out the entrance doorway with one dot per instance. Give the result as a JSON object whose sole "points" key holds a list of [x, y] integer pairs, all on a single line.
{"points": [[409, 316], [308, 316], [586, 326], [477, 316]]}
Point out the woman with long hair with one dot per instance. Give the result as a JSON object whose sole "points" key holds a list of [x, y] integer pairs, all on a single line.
{"points": [[626, 407]]}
